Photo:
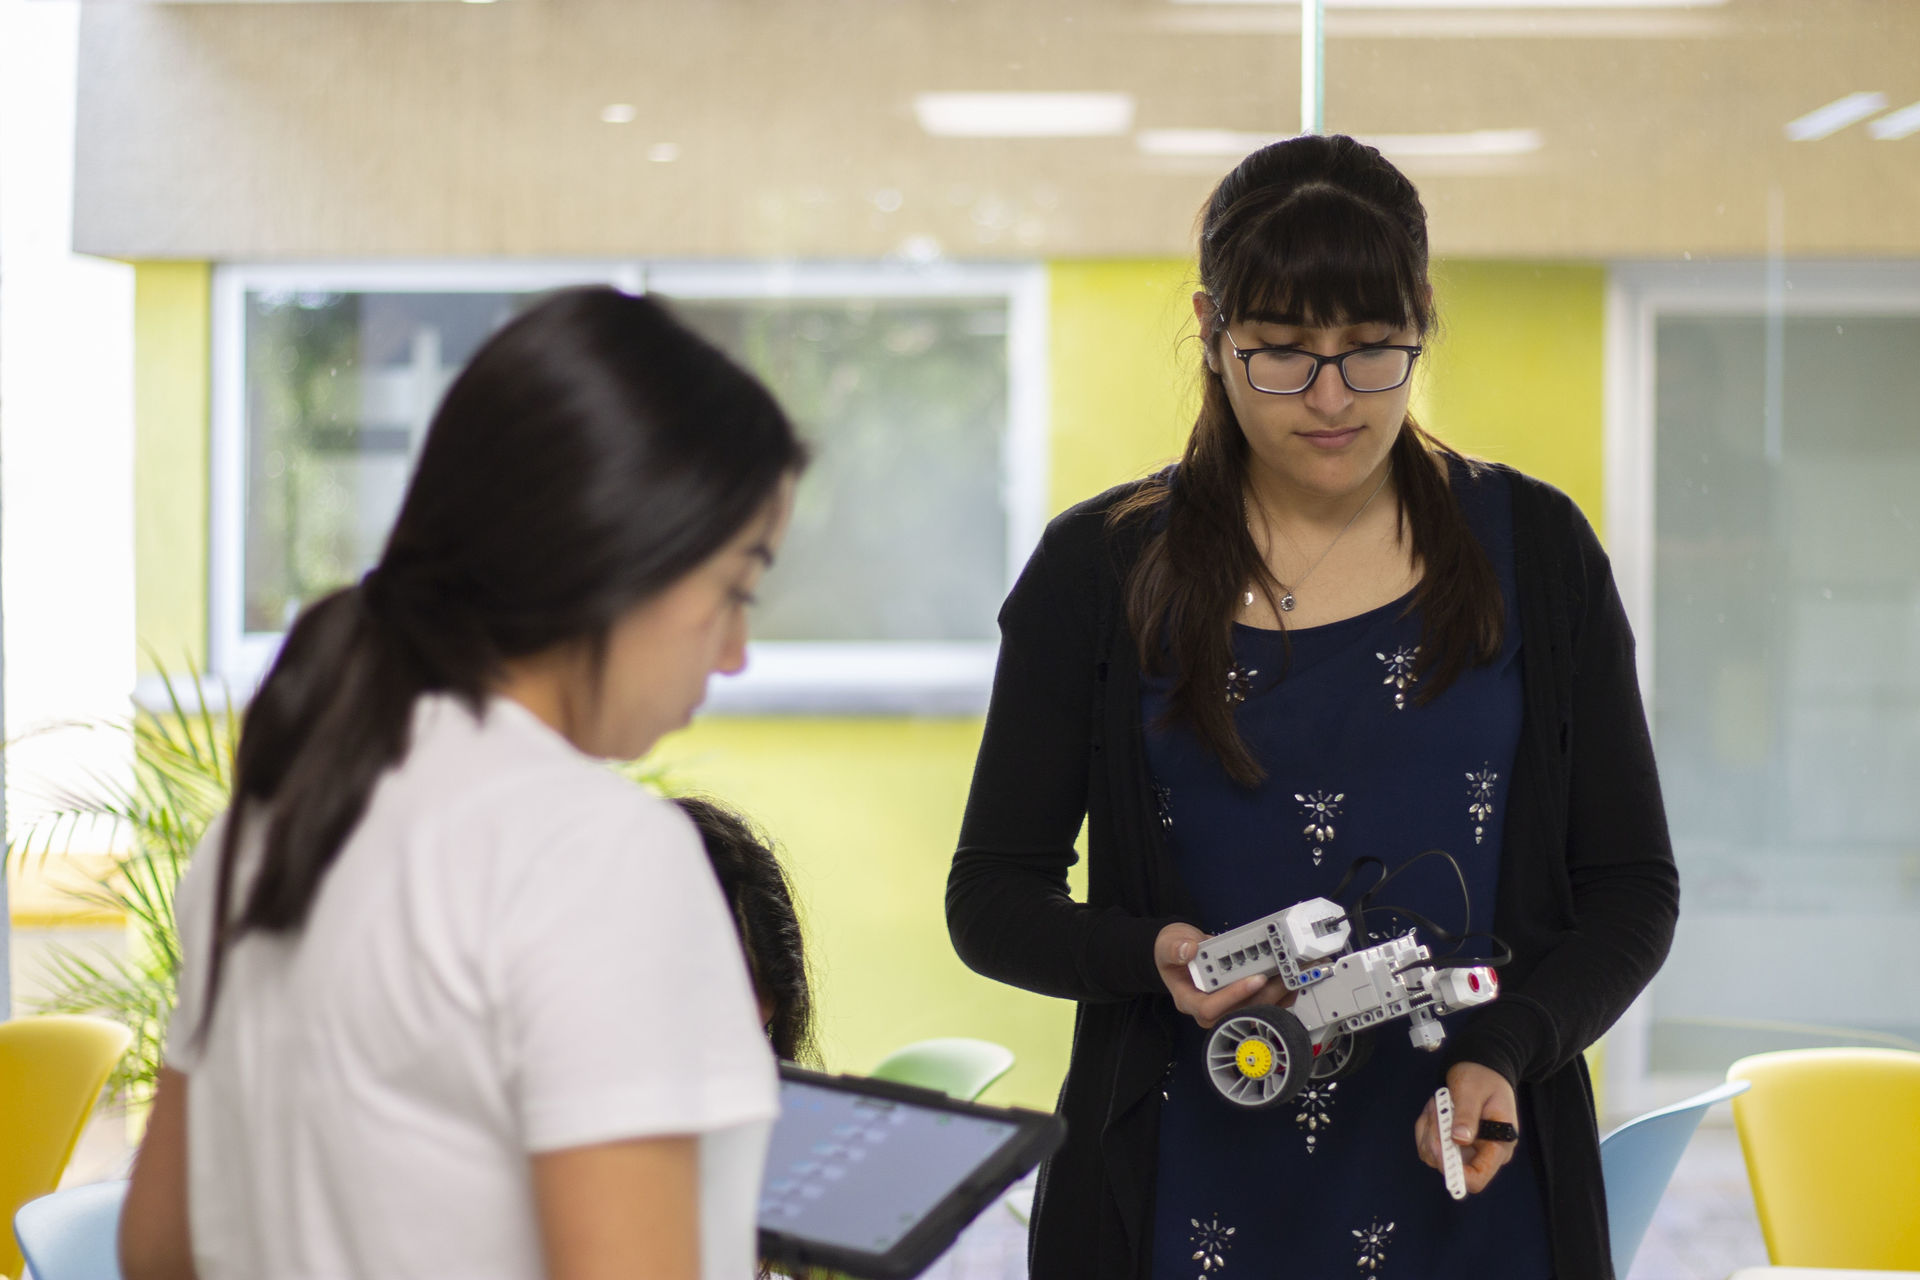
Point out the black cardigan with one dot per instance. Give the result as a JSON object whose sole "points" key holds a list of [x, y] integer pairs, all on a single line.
{"points": [[1588, 892]]}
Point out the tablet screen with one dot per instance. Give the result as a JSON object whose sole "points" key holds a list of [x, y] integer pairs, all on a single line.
{"points": [[860, 1172]]}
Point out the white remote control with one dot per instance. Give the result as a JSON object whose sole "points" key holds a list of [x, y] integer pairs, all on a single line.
{"points": [[1449, 1149]]}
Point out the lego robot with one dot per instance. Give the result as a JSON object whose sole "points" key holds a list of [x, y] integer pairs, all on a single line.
{"points": [[1263, 1055]]}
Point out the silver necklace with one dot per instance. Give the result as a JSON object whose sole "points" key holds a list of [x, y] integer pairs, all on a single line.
{"points": [[1286, 598]]}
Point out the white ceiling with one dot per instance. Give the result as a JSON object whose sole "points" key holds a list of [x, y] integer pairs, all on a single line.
{"points": [[789, 128]]}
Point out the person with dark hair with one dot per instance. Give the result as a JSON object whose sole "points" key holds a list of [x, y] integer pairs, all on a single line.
{"points": [[1323, 634], [435, 1016], [756, 887]]}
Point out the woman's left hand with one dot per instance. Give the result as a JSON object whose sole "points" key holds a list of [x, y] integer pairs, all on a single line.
{"points": [[1479, 1093]]}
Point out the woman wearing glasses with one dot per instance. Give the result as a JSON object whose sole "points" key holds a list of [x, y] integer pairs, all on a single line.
{"points": [[1322, 635]]}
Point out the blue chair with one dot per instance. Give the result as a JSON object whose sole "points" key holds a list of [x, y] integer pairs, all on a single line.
{"points": [[1637, 1161], [73, 1234]]}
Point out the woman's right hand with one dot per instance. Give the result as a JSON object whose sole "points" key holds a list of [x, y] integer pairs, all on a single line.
{"points": [[1176, 945]]}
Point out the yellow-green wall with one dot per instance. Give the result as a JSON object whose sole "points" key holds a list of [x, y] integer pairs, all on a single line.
{"points": [[1516, 370], [1122, 364], [867, 809], [171, 377]]}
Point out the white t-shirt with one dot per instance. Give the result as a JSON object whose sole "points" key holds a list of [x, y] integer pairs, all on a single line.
{"points": [[515, 952]]}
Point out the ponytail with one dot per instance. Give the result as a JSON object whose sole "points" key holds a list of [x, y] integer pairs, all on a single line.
{"points": [[331, 716]]}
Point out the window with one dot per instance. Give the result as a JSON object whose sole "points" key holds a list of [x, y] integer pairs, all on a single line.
{"points": [[922, 391], [340, 388], [1779, 617]]}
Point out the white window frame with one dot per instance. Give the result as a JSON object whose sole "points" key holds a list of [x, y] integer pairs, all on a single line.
{"points": [[1638, 295], [881, 677]]}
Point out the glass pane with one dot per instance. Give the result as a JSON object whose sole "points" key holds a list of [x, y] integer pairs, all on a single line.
{"points": [[899, 529], [1787, 678], [340, 388]]}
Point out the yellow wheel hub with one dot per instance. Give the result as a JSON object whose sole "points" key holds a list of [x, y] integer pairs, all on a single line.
{"points": [[1255, 1058]]}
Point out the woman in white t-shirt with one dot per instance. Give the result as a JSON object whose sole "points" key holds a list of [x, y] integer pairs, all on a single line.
{"points": [[478, 1009]]}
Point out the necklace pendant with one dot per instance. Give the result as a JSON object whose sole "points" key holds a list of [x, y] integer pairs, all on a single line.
{"points": [[1286, 603]]}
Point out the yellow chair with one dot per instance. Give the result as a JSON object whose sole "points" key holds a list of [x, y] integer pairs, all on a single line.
{"points": [[51, 1070], [1832, 1141]]}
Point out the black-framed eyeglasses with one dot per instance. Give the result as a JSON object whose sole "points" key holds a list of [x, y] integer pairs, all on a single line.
{"points": [[1288, 371]]}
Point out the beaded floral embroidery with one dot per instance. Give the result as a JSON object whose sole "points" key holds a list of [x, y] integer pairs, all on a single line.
{"points": [[1239, 684], [1371, 1245], [1211, 1240], [1316, 1112], [1400, 673], [1319, 809], [1163, 804], [1480, 799]]}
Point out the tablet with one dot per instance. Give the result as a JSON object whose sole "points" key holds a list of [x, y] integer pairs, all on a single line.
{"points": [[875, 1180]]}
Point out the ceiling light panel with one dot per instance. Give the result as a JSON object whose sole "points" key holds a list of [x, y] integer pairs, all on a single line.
{"points": [[1504, 19], [1430, 6], [1477, 142], [1202, 142], [1896, 125], [1835, 116], [1229, 142], [1024, 115]]}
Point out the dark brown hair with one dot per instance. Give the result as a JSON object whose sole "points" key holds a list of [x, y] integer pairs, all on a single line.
{"points": [[592, 453], [1310, 231], [760, 896]]}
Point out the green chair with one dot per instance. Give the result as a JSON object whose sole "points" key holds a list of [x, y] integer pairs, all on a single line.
{"points": [[956, 1066]]}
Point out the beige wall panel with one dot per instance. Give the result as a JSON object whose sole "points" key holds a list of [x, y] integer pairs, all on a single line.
{"points": [[275, 131]]}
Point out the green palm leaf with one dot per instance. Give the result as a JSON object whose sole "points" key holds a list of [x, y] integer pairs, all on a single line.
{"points": [[157, 812]]}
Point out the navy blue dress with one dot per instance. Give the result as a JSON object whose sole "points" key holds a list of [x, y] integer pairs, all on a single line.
{"points": [[1329, 1184]]}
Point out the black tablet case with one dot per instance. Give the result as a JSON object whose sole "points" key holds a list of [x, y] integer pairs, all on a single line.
{"points": [[1038, 1136]]}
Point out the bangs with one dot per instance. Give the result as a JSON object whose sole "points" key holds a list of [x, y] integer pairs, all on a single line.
{"points": [[1321, 258]]}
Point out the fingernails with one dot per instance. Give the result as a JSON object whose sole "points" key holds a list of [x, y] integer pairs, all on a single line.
{"points": [[1462, 1134], [1185, 952]]}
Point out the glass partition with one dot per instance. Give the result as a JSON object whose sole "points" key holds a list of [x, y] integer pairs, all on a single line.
{"points": [[1786, 659]]}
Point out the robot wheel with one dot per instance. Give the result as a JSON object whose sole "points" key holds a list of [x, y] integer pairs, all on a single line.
{"points": [[1342, 1055], [1259, 1057]]}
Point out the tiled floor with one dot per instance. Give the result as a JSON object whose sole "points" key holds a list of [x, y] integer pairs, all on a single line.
{"points": [[993, 1248], [1705, 1228]]}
